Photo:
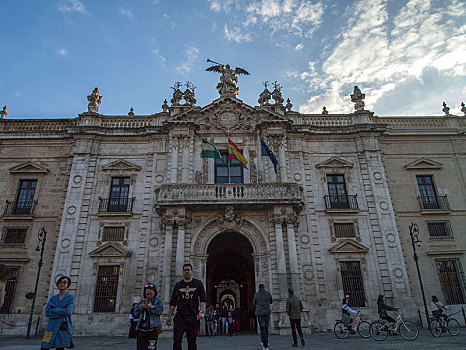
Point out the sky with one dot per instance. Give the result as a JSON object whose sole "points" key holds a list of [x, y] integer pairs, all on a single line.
{"points": [[407, 56]]}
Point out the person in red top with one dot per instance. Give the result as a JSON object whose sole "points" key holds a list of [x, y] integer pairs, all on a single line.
{"points": [[188, 294]]}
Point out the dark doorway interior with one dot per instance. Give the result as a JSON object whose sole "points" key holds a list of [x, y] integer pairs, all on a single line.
{"points": [[230, 259]]}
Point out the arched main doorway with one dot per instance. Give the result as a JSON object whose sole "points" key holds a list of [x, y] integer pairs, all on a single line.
{"points": [[230, 270]]}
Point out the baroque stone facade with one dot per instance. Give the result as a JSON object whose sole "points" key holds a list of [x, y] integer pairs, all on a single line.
{"points": [[128, 200]]}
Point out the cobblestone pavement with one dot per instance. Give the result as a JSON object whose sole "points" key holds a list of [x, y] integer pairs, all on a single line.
{"points": [[251, 342]]}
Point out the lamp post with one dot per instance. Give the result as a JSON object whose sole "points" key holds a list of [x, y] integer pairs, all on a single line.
{"points": [[414, 233], [41, 235]]}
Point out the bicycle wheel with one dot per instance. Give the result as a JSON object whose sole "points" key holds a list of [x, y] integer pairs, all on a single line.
{"points": [[409, 330], [364, 329], [453, 327], [378, 330], [340, 330], [435, 327]]}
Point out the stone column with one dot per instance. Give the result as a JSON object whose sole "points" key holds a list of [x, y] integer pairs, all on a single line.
{"points": [[291, 222], [167, 261], [174, 160], [180, 249], [185, 159], [281, 262], [282, 160]]}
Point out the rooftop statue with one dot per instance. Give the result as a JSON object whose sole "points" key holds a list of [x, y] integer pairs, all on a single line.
{"points": [[228, 79], [3, 112], [94, 101]]}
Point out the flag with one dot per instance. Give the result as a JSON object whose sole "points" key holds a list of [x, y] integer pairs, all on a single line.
{"points": [[235, 153], [266, 151], [210, 151]]}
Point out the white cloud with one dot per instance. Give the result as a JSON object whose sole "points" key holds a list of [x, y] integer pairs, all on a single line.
{"points": [[72, 6], [192, 53], [126, 12], [63, 52], [225, 5], [299, 47], [382, 54], [157, 53], [235, 34]]}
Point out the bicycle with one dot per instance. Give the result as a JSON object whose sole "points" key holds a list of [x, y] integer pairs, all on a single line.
{"points": [[379, 330], [437, 326], [362, 327]]}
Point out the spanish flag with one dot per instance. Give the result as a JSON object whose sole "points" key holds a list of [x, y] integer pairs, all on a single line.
{"points": [[235, 153]]}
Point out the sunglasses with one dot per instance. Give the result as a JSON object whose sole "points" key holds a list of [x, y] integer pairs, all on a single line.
{"points": [[149, 285]]}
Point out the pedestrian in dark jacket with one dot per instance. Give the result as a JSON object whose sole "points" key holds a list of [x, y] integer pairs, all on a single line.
{"points": [[294, 306], [262, 300], [382, 309]]}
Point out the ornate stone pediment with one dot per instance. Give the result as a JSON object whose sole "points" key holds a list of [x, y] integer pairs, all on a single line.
{"points": [[334, 162], [348, 246], [423, 163], [110, 250], [121, 165], [28, 167]]}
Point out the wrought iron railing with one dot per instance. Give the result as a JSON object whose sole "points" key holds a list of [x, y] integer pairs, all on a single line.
{"points": [[229, 193], [433, 202], [439, 229], [22, 207], [116, 205], [13, 236], [341, 202]]}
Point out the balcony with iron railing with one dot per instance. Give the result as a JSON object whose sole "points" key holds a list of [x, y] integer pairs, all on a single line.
{"points": [[20, 208], [229, 194], [117, 205], [433, 204], [341, 203]]}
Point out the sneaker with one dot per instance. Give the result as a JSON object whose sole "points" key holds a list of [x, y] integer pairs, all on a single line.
{"points": [[302, 342]]}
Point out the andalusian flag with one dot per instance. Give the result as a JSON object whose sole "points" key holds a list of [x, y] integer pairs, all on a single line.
{"points": [[235, 153], [210, 151]]}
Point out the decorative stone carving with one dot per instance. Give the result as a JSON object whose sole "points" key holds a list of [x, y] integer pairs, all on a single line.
{"points": [[188, 94], [288, 105], [205, 170], [445, 109], [131, 112], [253, 170], [228, 79], [177, 94], [358, 99], [324, 110], [3, 112], [265, 95], [94, 101], [276, 94], [165, 106]]}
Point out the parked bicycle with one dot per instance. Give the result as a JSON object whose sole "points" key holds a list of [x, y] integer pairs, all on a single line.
{"points": [[439, 326], [362, 327], [380, 329]]}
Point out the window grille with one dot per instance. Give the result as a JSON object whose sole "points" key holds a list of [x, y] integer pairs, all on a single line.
{"points": [[113, 234], [343, 230], [353, 285], [13, 236], [451, 280], [106, 288], [439, 229], [10, 289]]}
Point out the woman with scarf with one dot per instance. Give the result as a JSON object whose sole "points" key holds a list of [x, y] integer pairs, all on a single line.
{"points": [[149, 325], [58, 334]]}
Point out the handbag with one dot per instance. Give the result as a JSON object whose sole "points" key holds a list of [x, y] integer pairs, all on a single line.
{"points": [[158, 330]]}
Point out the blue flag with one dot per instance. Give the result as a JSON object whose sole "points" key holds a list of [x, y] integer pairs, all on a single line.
{"points": [[266, 151]]}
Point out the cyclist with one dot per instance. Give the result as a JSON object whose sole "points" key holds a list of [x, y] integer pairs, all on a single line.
{"points": [[437, 309], [346, 312], [382, 309]]}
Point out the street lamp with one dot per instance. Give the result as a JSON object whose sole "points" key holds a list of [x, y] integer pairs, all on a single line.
{"points": [[41, 235], [414, 233]]}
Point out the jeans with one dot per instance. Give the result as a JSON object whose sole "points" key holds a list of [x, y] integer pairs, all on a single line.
{"points": [[182, 324], [296, 324], [225, 325], [210, 328], [264, 321], [215, 322]]}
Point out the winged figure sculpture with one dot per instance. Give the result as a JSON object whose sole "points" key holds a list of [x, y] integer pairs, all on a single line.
{"points": [[228, 78]]}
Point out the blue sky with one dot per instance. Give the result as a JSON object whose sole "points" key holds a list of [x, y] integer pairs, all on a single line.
{"points": [[406, 56]]}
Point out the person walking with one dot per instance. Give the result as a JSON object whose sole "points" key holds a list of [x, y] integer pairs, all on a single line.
{"points": [[58, 334], [294, 306], [215, 318], [4, 275], [148, 312], [224, 317], [133, 323], [262, 300], [189, 299]]}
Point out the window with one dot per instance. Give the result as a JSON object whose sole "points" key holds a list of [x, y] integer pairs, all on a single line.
{"points": [[439, 229], [451, 280], [106, 289], [24, 198], [113, 234], [13, 236], [10, 289], [344, 230], [119, 194], [337, 192], [351, 278], [229, 172], [427, 192]]}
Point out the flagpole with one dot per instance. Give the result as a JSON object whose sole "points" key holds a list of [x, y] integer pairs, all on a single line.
{"points": [[228, 158], [202, 159]]}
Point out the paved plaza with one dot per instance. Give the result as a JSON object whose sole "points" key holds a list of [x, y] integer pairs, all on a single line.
{"points": [[251, 342]]}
